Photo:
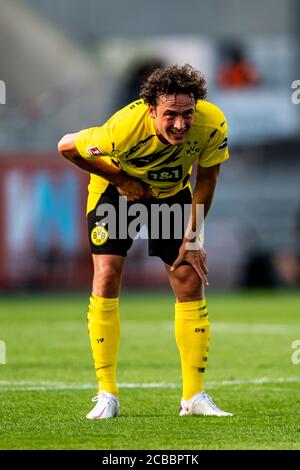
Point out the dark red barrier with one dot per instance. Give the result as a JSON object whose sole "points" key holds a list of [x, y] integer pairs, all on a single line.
{"points": [[42, 216]]}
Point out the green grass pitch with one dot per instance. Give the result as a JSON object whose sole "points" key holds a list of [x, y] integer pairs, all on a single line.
{"points": [[48, 380]]}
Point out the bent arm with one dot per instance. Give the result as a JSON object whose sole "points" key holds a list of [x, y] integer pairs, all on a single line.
{"points": [[191, 250], [128, 186], [67, 148]]}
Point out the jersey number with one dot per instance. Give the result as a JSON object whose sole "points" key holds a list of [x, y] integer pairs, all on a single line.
{"points": [[166, 174]]}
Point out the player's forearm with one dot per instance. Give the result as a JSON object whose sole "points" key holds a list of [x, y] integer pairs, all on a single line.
{"points": [[204, 194], [67, 149], [97, 167], [201, 202]]}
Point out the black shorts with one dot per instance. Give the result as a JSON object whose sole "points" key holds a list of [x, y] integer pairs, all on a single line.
{"points": [[164, 240]]}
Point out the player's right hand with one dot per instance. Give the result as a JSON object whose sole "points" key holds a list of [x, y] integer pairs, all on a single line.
{"points": [[134, 189]]}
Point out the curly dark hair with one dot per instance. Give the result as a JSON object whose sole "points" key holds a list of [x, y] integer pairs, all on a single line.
{"points": [[173, 79]]}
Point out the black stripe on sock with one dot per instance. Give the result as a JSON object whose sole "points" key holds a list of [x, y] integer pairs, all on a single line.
{"points": [[204, 315]]}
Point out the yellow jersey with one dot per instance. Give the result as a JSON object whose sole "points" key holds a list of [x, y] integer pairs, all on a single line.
{"points": [[128, 141]]}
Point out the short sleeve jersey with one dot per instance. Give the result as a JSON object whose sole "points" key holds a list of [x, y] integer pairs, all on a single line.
{"points": [[128, 140]]}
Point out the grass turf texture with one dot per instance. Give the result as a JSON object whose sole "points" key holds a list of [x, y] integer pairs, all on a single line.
{"points": [[47, 347]]}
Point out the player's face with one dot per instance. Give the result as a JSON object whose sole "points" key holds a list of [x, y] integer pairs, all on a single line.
{"points": [[173, 116]]}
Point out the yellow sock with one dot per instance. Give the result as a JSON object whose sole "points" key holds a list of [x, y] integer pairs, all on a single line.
{"points": [[192, 332], [104, 331]]}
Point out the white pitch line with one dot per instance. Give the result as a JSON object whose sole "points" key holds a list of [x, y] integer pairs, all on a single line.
{"points": [[22, 385], [254, 328]]}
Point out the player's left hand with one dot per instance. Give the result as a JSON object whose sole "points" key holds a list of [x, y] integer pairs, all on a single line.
{"points": [[195, 255], [133, 188]]}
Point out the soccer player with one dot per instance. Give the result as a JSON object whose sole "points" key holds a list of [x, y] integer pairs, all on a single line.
{"points": [[145, 152]]}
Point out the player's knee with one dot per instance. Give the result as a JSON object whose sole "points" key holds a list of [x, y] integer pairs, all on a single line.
{"points": [[187, 277], [189, 287], [192, 284], [106, 281]]}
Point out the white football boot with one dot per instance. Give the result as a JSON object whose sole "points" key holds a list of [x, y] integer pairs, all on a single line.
{"points": [[108, 406], [201, 404]]}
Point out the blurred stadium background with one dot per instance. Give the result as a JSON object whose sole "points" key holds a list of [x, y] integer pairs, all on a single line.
{"points": [[67, 66]]}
